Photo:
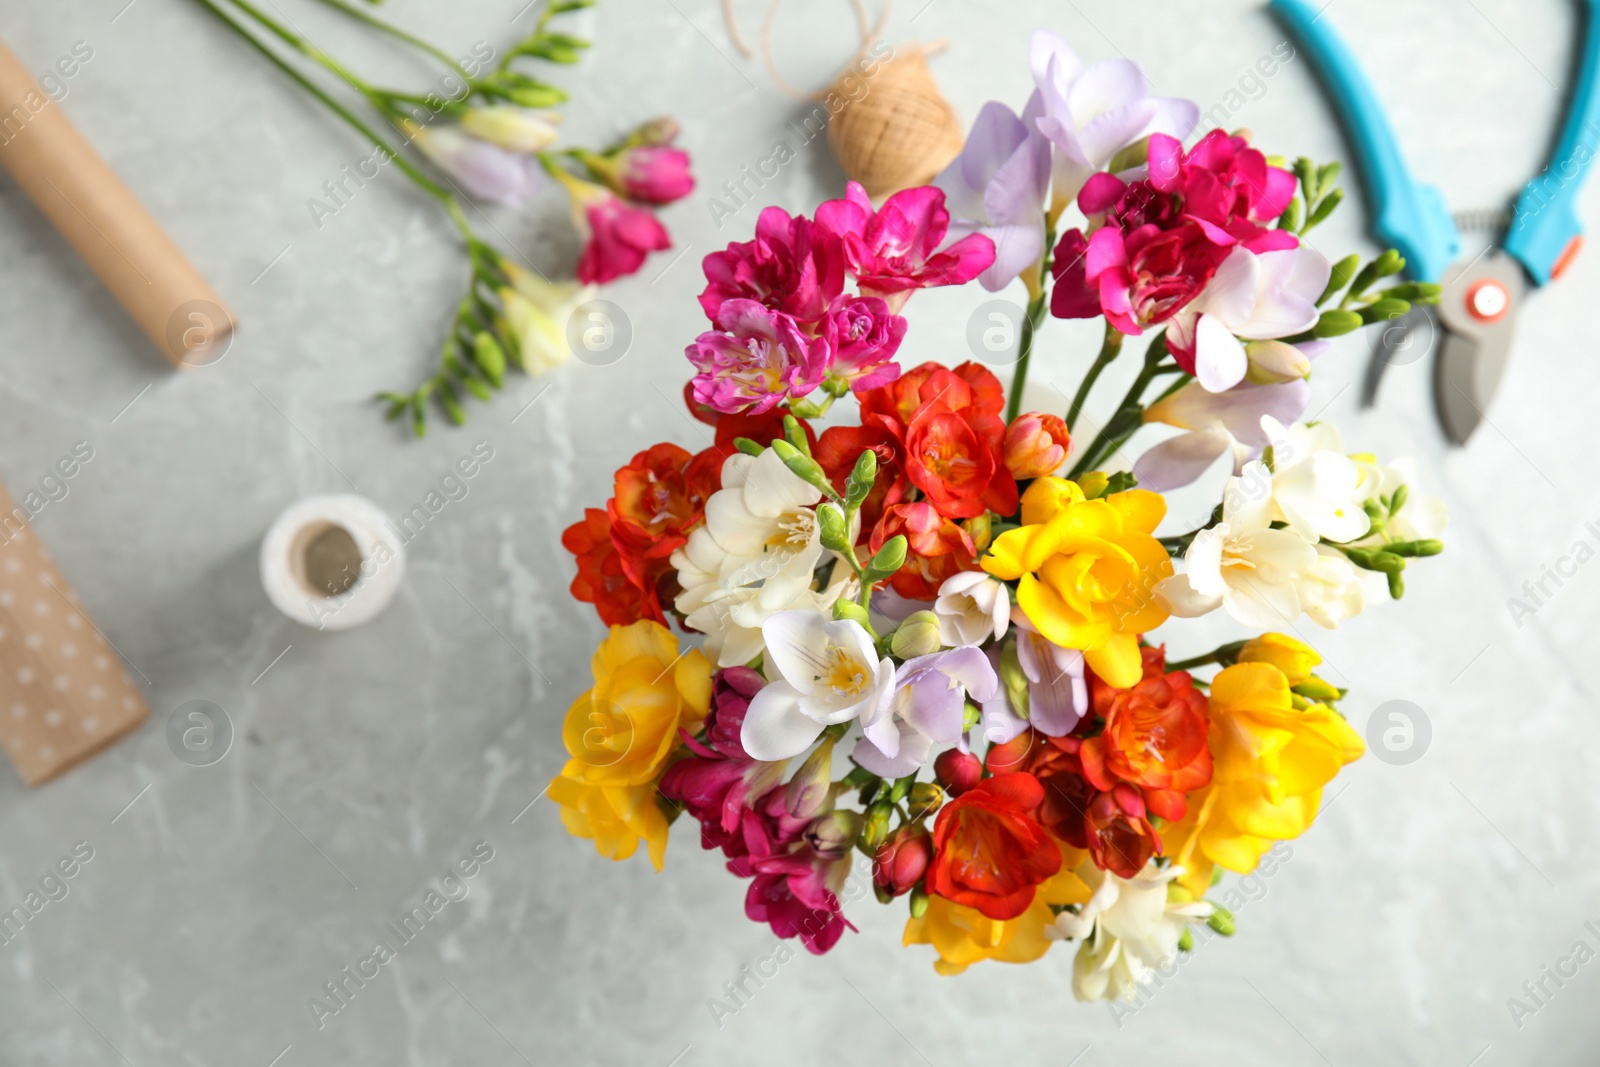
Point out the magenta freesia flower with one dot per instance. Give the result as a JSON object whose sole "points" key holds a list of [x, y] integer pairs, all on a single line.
{"points": [[791, 890], [791, 266], [863, 336], [1157, 241], [754, 359], [896, 249], [1227, 187], [654, 174], [617, 235]]}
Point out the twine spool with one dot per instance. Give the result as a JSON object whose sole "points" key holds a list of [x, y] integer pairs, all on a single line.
{"points": [[901, 132]]}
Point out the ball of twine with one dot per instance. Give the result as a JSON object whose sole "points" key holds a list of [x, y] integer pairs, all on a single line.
{"points": [[901, 132]]}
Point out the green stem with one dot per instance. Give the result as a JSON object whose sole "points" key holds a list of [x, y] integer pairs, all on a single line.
{"points": [[1225, 655], [1110, 348], [1126, 420], [427, 184], [1036, 308], [398, 34]]}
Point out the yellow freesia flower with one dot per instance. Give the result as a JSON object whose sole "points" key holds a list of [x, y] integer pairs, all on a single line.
{"points": [[963, 936], [621, 733], [1295, 659], [615, 817], [1088, 571], [1271, 761]]}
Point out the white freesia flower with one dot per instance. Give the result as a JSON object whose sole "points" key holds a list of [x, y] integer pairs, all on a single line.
{"points": [[1241, 563], [829, 673], [1254, 295], [1333, 589], [1128, 928], [755, 556], [515, 129], [1421, 517], [537, 312], [972, 607], [1316, 488]]}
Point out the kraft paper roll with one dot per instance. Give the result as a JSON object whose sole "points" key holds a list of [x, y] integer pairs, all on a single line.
{"points": [[64, 695], [85, 200]]}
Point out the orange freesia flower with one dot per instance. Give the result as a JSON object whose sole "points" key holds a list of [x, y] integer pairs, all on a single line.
{"points": [[989, 853]]}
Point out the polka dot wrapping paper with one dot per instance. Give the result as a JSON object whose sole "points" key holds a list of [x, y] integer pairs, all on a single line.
{"points": [[64, 694]]}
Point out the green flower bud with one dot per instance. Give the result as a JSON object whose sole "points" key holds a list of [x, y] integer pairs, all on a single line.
{"points": [[810, 791], [1317, 689], [1185, 941], [1221, 920], [748, 447], [1429, 547], [875, 830], [1334, 322], [1014, 680], [833, 530], [490, 358], [925, 798], [849, 609], [859, 484], [917, 636], [890, 558], [833, 834], [919, 902], [803, 466]]}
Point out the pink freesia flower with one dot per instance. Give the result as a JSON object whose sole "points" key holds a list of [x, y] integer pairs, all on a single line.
{"points": [[1227, 187], [792, 890], [650, 174], [758, 358], [895, 249], [716, 782], [1257, 297], [1136, 279], [617, 235], [863, 336], [791, 266]]}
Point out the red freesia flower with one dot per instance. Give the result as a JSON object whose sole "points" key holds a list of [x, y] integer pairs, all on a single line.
{"points": [[902, 860], [792, 266], [601, 579], [989, 852], [1114, 826], [895, 249], [949, 424], [1154, 738], [936, 548]]}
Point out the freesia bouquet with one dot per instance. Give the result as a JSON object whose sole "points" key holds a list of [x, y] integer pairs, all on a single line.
{"points": [[923, 599]]}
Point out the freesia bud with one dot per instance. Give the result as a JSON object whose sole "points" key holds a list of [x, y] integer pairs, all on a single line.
{"points": [[1272, 362], [650, 174], [1317, 689], [957, 771], [832, 835], [1221, 920], [919, 902], [849, 609], [811, 787], [802, 466], [980, 529], [925, 797], [890, 558], [831, 528], [876, 827], [1035, 445], [1295, 659], [917, 636], [516, 129], [660, 130], [903, 859]]}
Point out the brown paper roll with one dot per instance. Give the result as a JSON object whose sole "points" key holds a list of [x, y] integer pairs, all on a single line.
{"points": [[111, 230], [63, 693]]}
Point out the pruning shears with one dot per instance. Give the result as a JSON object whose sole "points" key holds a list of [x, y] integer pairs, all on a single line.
{"points": [[1482, 296]]}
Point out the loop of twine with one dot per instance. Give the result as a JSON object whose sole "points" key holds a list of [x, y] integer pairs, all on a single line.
{"points": [[869, 31]]}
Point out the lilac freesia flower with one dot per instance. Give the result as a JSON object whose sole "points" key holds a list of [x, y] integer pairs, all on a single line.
{"points": [[486, 171], [1218, 423], [1058, 694], [1092, 113], [927, 708], [754, 359], [997, 187]]}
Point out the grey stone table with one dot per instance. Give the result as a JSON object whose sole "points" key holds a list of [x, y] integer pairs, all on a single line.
{"points": [[365, 765]]}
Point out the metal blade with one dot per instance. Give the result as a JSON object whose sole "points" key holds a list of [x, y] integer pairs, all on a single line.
{"points": [[1400, 342], [1455, 395]]}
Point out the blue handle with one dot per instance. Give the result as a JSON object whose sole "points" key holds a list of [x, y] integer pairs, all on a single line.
{"points": [[1407, 214], [1546, 219]]}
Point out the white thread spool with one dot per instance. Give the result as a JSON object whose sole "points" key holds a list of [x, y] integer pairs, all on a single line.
{"points": [[332, 562]]}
